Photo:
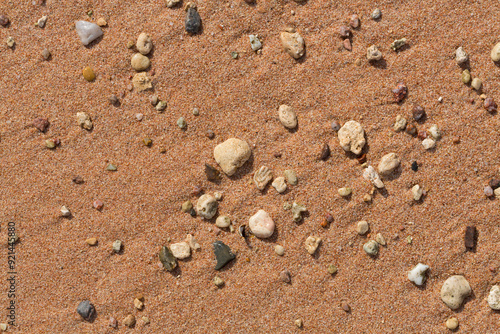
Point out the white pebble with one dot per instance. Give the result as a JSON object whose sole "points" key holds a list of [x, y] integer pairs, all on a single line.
{"points": [[455, 289], [87, 31], [400, 123], [311, 244], [417, 192], [261, 225], [371, 175], [461, 56], [362, 227], [222, 221], [255, 43], [352, 137], [476, 83], [181, 250], [417, 274], [279, 184], [206, 206], [494, 297], [280, 250], [434, 132], [388, 163], [232, 154], [428, 143], [139, 116], [65, 211]]}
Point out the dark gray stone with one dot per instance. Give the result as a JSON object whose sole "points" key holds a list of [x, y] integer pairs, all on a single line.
{"points": [[86, 310], [167, 259], [223, 254], [193, 21]]}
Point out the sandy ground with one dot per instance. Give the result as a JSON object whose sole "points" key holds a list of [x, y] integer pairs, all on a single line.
{"points": [[239, 98]]}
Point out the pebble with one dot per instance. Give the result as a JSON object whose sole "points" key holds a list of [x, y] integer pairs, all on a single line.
{"points": [[344, 31], [210, 134], [142, 82], [206, 206], [455, 289], [113, 99], [280, 250], [98, 204], [297, 210], [181, 123], [417, 192], [411, 129], [418, 113], [311, 244], [285, 276], [354, 21], [65, 211], [376, 14], [414, 166], [144, 43], [452, 323], [41, 124], [373, 53], [347, 44], [293, 44], [101, 22], [117, 246], [461, 56], [428, 143], [192, 242], [46, 54], [167, 258], [154, 100], [325, 152], [261, 224], [129, 321], [180, 250], [287, 116], [398, 43], [345, 306], [139, 62], [335, 126], [466, 76], [161, 106], [196, 112], [434, 132], [291, 177], [193, 20], [476, 83], [50, 143], [495, 52], [42, 21], [488, 191], [255, 43], [10, 42], [172, 3], [91, 241], [222, 221], [262, 177], [494, 183], [388, 164], [379, 238], [497, 192], [362, 227], [332, 270], [147, 141], [345, 191], [212, 173], [4, 20], [219, 282], [352, 137], [400, 123], [371, 175], [490, 105], [400, 92], [367, 198], [232, 154], [111, 167], [88, 74], [279, 184], [223, 254], [494, 297], [470, 237], [87, 31], [371, 248], [218, 196], [417, 274], [113, 323], [78, 179], [138, 304], [86, 310], [299, 323]]}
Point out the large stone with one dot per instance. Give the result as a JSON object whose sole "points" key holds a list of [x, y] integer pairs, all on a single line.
{"points": [[287, 116], [455, 289], [87, 31], [293, 44], [144, 43], [232, 154], [352, 137], [261, 224]]}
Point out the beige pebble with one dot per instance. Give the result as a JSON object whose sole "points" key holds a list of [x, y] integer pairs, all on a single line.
{"points": [[279, 184], [101, 22], [232, 154], [138, 304], [345, 192], [222, 221], [181, 250], [280, 250], [293, 44], [495, 52], [262, 177], [299, 323], [129, 321], [139, 62], [84, 120], [91, 241], [362, 227], [452, 323], [476, 83], [142, 82], [352, 137], [379, 238], [311, 244], [144, 43], [287, 116], [373, 54]]}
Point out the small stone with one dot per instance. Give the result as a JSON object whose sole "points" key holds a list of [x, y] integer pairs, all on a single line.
{"points": [[362, 227], [255, 43], [379, 238], [144, 43], [262, 177], [352, 137], [117, 246], [287, 116], [41, 124], [130, 44], [4, 21], [218, 196], [210, 134], [347, 44], [285, 276], [147, 141], [297, 210], [400, 92], [160, 106], [455, 289], [344, 31], [371, 248], [98, 204], [417, 192], [279, 184], [299, 323], [78, 179], [428, 143], [222, 221], [490, 105], [476, 83], [145, 320], [113, 99], [325, 152], [400, 123], [181, 123], [261, 224], [172, 3], [497, 192], [153, 99], [494, 297], [376, 14], [335, 126], [417, 274], [280, 250], [187, 206], [219, 282], [470, 237], [398, 43], [452, 323], [223, 254], [88, 74], [434, 132], [494, 183], [142, 82], [50, 143], [91, 241], [345, 192], [180, 250], [345, 306], [87, 31], [332, 270], [367, 198], [10, 42], [388, 164], [86, 310], [167, 259], [495, 52], [371, 175], [129, 321], [488, 191], [113, 323], [411, 129], [311, 244], [42, 21], [101, 22], [139, 62], [206, 206], [418, 113], [354, 21], [466, 76], [193, 21], [212, 173], [291, 177], [461, 56], [232, 154], [373, 54], [65, 211], [293, 44], [111, 168], [46, 54], [138, 304], [414, 166], [196, 112]]}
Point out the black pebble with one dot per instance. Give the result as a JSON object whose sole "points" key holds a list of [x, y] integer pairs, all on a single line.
{"points": [[470, 237], [223, 254], [414, 166], [212, 173], [86, 310], [193, 21]]}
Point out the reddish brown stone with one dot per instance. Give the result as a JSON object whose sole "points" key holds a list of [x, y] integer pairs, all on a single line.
{"points": [[400, 92], [41, 124], [354, 22], [470, 237], [347, 44], [98, 204], [490, 105], [325, 152]]}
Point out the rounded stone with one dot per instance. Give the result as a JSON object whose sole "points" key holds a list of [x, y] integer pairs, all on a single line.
{"points": [[466, 76], [417, 192], [46, 54], [376, 14], [452, 323], [352, 137], [291, 177], [287, 116], [494, 297], [139, 62], [206, 206], [129, 321], [87, 31], [293, 44], [495, 52], [181, 250], [222, 221], [261, 225], [88, 74], [280, 250], [428, 143], [344, 192], [86, 310], [232, 154], [461, 56], [388, 163], [476, 83], [311, 244], [362, 227], [455, 289], [144, 43], [371, 248], [279, 184]]}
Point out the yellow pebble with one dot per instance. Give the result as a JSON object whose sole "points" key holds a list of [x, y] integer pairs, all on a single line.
{"points": [[91, 241], [88, 73], [452, 323]]}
